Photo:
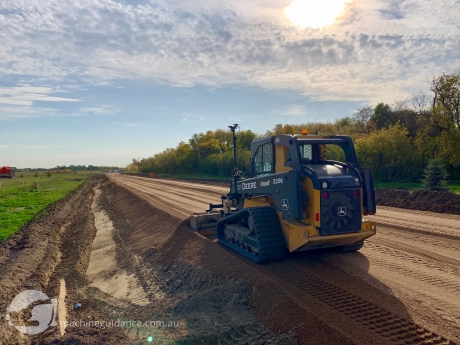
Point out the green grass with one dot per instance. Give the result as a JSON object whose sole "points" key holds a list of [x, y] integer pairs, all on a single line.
{"points": [[20, 201], [454, 187]]}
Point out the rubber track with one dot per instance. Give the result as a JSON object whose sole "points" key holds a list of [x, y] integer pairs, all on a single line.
{"points": [[389, 326], [267, 230]]}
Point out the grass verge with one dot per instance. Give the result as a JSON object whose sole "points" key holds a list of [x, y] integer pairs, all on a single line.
{"points": [[22, 198]]}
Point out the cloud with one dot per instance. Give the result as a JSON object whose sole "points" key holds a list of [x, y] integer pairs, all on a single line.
{"points": [[102, 109], [243, 118], [130, 124], [216, 44], [292, 110], [24, 112], [391, 13], [27, 95], [188, 117]]}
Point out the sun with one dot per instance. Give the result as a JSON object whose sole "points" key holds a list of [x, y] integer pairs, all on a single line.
{"points": [[314, 13]]}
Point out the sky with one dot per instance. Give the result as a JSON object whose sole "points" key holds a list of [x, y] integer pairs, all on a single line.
{"points": [[103, 81]]}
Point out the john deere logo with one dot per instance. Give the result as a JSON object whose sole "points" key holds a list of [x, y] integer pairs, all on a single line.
{"points": [[342, 211], [37, 320]]}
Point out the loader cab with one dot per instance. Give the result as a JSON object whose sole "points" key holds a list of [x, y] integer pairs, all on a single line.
{"points": [[325, 160], [286, 152]]}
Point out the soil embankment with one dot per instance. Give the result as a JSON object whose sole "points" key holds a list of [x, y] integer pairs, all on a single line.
{"points": [[423, 200]]}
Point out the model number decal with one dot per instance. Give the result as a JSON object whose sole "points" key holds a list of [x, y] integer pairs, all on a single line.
{"points": [[277, 180], [250, 185]]}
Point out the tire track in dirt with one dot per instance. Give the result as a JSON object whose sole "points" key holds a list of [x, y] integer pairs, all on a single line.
{"points": [[380, 321], [430, 295], [163, 195], [185, 194], [407, 254], [200, 187], [415, 222], [187, 190], [171, 203], [443, 250], [216, 191], [448, 284]]}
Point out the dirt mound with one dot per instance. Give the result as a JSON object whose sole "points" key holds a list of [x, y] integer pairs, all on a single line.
{"points": [[424, 200]]}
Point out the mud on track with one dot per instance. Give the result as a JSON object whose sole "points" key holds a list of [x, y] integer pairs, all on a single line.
{"points": [[125, 252]]}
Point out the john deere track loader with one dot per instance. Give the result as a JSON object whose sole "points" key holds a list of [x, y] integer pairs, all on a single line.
{"points": [[304, 192]]}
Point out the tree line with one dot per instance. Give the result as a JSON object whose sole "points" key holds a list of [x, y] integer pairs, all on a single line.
{"points": [[396, 141], [70, 168]]}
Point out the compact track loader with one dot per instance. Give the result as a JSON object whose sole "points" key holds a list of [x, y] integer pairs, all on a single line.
{"points": [[304, 192]]}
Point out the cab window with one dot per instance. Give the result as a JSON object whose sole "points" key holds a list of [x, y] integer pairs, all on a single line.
{"points": [[263, 160], [335, 153], [306, 151]]}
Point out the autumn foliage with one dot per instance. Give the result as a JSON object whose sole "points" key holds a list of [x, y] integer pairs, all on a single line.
{"points": [[396, 141]]}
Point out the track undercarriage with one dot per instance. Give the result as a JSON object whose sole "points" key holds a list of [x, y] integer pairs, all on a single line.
{"points": [[254, 233]]}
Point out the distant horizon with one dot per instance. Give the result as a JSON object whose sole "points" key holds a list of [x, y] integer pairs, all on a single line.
{"points": [[78, 165]]}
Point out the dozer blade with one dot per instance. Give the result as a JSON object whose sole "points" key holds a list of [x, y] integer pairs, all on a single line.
{"points": [[205, 223]]}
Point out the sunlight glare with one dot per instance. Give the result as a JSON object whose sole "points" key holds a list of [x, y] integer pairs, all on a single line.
{"points": [[314, 13]]}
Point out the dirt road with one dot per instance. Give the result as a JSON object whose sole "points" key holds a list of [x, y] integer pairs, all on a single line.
{"points": [[406, 278], [121, 247]]}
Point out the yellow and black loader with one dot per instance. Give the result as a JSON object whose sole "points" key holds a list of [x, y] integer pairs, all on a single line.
{"points": [[304, 192]]}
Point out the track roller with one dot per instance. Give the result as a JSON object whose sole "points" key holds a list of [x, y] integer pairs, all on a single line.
{"points": [[254, 233]]}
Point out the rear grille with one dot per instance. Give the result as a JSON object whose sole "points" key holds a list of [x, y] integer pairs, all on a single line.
{"points": [[340, 212]]}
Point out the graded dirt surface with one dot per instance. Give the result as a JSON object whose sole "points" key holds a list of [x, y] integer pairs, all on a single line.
{"points": [[121, 247]]}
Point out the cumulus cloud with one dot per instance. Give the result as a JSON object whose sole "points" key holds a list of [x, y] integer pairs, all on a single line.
{"points": [[361, 57]]}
